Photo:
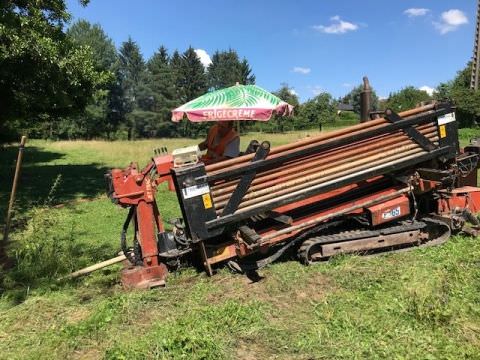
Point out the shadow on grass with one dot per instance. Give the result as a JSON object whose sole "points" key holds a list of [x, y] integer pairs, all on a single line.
{"points": [[51, 247], [38, 177], [42, 183]]}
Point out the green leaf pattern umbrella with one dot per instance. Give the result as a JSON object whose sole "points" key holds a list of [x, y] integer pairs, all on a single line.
{"points": [[238, 102]]}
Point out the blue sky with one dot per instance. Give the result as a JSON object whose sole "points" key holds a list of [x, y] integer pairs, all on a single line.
{"points": [[311, 45]]}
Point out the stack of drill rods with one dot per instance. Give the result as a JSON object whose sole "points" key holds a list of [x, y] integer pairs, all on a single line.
{"points": [[300, 145], [321, 176], [284, 173], [333, 164], [270, 177], [329, 180], [310, 147], [227, 186], [299, 178], [242, 160], [288, 171]]}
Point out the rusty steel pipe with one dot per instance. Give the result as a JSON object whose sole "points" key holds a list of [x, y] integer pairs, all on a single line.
{"points": [[289, 151], [300, 182], [333, 180], [332, 174], [286, 175], [305, 147], [355, 128], [334, 161], [358, 127], [365, 101], [293, 164], [308, 181], [282, 171], [321, 158]]}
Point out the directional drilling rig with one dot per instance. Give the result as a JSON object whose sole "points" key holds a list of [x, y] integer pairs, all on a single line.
{"points": [[388, 184]]}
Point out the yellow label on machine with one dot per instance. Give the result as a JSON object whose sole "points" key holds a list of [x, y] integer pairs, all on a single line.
{"points": [[207, 201], [443, 131]]}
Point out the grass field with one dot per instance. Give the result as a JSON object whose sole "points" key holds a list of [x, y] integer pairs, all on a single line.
{"points": [[423, 304]]}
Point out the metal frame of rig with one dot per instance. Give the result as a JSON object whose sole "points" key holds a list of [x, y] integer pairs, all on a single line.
{"points": [[384, 185]]}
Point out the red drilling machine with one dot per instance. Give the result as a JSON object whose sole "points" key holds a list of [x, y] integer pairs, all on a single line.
{"points": [[388, 184]]}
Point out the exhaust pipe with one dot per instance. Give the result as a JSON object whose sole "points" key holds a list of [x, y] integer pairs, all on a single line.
{"points": [[365, 101]]}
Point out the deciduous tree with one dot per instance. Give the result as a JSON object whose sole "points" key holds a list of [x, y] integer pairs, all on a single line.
{"points": [[353, 98], [44, 75], [467, 100], [407, 98]]}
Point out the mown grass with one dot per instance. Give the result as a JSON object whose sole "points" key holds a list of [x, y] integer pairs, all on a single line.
{"points": [[421, 304]]}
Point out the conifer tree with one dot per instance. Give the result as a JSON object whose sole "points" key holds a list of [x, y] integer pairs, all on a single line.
{"points": [[226, 70], [131, 67]]}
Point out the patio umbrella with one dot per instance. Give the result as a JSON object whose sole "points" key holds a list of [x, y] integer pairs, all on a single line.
{"points": [[238, 102]]}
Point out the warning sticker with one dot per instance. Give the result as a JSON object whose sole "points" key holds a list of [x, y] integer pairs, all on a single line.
{"points": [[195, 190], [445, 119], [207, 201], [442, 131]]}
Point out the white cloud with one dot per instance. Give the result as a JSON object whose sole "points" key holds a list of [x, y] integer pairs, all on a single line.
{"points": [[338, 26], [204, 57], [301, 70], [450, 21], [427, 89], [317, 90], [347, 85], [293, 92], [414, 12]]}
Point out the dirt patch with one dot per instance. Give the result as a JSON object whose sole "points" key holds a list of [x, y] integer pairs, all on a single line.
{"points": [[251, 350], [87, 354], [271, 289], [75, 315]]}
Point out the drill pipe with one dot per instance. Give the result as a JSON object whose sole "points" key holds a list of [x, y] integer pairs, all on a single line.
{"points": [[333, 154], [299, 147], [293, 152], [333, 180], [283, 176], [286, 175], [292, 163], [304, 181], [334, 134], [332, 174], [320, 159]]}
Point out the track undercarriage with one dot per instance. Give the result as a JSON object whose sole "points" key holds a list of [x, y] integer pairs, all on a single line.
{"points": [[397, 237]]}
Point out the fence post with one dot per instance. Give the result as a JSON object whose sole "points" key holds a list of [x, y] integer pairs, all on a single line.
{"points": [[14, 190]]}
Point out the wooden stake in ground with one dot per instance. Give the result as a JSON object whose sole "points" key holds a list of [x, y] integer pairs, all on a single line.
{"points": [[14, 190]]}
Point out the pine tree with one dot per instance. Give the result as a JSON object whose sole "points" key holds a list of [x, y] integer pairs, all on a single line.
{"points": [[176, 63], [157, 94], [226, 70], [248, 78], [191, 82], [131, 67], [192, 75]]}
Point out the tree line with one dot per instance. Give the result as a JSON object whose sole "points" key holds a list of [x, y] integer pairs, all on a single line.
{"points": [[70, 82]]}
